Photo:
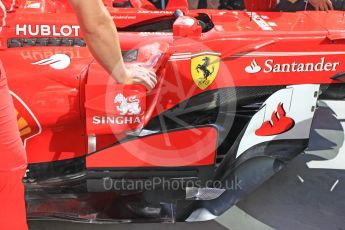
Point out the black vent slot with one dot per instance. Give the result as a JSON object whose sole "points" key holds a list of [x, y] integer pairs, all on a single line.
{"points": [[29, 42]]}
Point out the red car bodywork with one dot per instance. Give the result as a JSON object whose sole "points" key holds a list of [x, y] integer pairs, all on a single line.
{"points": [[62, 129], [59, 88]]}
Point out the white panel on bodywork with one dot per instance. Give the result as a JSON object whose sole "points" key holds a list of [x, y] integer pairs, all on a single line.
{"points": [[298, 102]]}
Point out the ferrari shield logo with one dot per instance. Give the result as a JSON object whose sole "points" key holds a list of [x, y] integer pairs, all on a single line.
{"points": [[204, 70]]}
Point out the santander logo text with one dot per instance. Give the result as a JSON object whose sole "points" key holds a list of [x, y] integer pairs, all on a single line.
{"points": [[272, 66]]}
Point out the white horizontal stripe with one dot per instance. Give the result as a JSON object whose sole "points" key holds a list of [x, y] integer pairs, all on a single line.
{"points": [[3, 19], [206, 53], [280, 54], [182, 59], [182, 54], [196, 54]]}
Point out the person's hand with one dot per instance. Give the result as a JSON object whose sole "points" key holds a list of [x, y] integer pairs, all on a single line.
{"points": [[322, 5], [136, 74]]}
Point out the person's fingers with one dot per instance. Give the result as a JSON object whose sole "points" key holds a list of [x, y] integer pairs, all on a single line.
{"points": [[152, 85], [149, 75], [146, 71], [330, 5], [154, 79], [144, 83], [152, 73], [325, 6], [321, 7], [149, 78], [317, 7], [143, 76], [150, 82]]}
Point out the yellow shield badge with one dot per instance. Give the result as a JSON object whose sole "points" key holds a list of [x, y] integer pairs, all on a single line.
{"points": [[205, 69]]}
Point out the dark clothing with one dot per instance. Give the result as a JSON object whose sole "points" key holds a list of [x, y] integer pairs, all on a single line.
{"points": [[300, 5], [224, 4], [202, 4], [231, 4], [338, 4]]}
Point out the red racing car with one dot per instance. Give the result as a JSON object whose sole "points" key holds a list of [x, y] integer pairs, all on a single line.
{"points": [[235, 101]]}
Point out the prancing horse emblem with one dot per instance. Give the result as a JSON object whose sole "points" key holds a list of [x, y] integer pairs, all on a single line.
{"points": [[204, 67], [204, 70]]}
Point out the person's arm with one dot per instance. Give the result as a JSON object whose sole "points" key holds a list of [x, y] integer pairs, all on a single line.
{"points": [[322, 5], [102, 39]]}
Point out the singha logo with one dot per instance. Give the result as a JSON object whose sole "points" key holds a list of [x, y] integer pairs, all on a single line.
{"points": [[128, 106], [204, 68]]}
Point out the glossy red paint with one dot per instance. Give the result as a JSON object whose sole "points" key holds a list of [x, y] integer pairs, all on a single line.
{"points": [[260, 5], [177, 4], [193, 147], [52, 97], [281, 45]]}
